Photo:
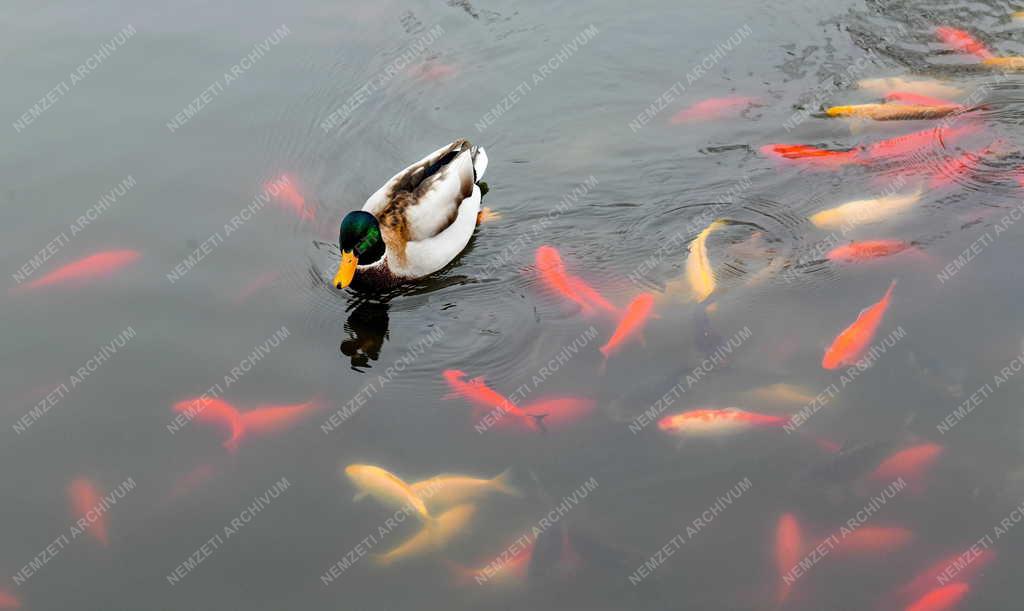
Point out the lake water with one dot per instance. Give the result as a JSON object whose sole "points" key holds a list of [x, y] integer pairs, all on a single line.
{"points": [[215, 148]]}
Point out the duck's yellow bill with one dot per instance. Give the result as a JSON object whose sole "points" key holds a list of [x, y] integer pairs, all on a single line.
{"points": [[346, 270]]}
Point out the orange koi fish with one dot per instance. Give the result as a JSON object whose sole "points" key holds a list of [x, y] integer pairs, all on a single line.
{"points": [[963, 42], [713, 108], [631, 324], [8, 600], [944, 598], [868, 249], [85, 498], [916, 141], [812, 156], [217, 412], [99, 265], [561, 412], [848, 346], [956, 564], [477, 392], [712, 422], [268, 419], [912, 464], [552, 272], [287, 194], [789, 549], [916, 99], [259, 421], [509, 573], [875, 540]]}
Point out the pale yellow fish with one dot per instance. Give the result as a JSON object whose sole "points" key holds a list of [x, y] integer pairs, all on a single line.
{"points": [[387, 488], [864, 211], [433, 537], [699, 274], [446, 490], [893, 112], [779, 395], [1013, 63], [1018, 16], [921, 86]]}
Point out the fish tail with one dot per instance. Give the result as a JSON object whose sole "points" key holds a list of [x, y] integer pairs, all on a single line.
{"points": [[892, 285], [501, 483]]}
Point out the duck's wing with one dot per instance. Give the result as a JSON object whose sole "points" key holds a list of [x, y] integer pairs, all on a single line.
{"points": [[426, 256]]}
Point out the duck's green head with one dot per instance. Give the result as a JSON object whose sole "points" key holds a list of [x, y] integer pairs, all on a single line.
{"points": [[361, 244]]}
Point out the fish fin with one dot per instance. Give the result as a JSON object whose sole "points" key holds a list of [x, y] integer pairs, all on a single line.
{"points": [[359, 496], [501, 483], [539, 420]]}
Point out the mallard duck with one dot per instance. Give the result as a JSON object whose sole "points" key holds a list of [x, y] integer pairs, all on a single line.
{"points": [[417, 223]]}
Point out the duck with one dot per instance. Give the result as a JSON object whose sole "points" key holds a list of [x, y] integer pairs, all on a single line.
{"points": [[417, 223]]}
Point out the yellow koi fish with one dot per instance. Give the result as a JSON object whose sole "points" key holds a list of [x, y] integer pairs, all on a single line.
{"points": [[431, 538], [863, 211], [779, 395], [387, 488], [699, 274], [443, 491], [893, 112], [920, 86], [1012, 63]]}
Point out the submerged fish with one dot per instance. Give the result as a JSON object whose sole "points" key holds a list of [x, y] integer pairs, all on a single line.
{"points": [[943, 598], [713, 422], [8, 600], [85, 498], [432, 537], [864, 211], [853, 341], [509, 569], [921, 86], [930, 138], [813, 156], [869, 539], [893, 112], [446, 490], [259, 421], [98, 265], [713, 108], [283, 189], [479, 394], [631, 324], [389, 489], [867, 249], [911, 464], [780, 395], [789, 549], [967, 565], [909, 97], [559, 412], [552, 272], [963, 42], [699, 273]]}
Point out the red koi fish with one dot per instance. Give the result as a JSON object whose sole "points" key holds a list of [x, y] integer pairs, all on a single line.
{"points": [[850, 344], [561, 412], [789, 549], [85, 498], [260, 421], [631, 324], [919, 140], [964, 566], [713, 108], [715, 422], [916, 99], [912, 464], [510, 573], [8, 600], [99, 265], [476, 392], [552, 272], [941, 599], [868, 249], [955, 169], [288, 195], [812, 156], [963, 42], [870, 540]]}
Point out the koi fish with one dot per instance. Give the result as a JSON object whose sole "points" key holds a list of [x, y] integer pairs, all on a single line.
{"points": [[789, 549], [95, 266], [713, 422], [865, 211], [387, 488], [631, 324], [477, 392], [560, 412], [698, 266], [260, 421], [552, 272], [963, 42], [916, 99], [964, 570], [941, 599], [431, 538], [910, 463], [445, 491], [916, 141], [868, 249], [1010, 64], [812, 156], [893, 112], [713, 108], [85, 498], [950, 170], [850, 344], [8, 600], [510, 572], [268, 419], [284, 190], [1017, 16], [875, 540], [781, 394], [922, 86]]}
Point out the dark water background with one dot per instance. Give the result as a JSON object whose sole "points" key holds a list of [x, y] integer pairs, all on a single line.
{"points": [[492, 315]]}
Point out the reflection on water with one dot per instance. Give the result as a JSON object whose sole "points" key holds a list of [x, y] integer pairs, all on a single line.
{"points": [[367, 329]]}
